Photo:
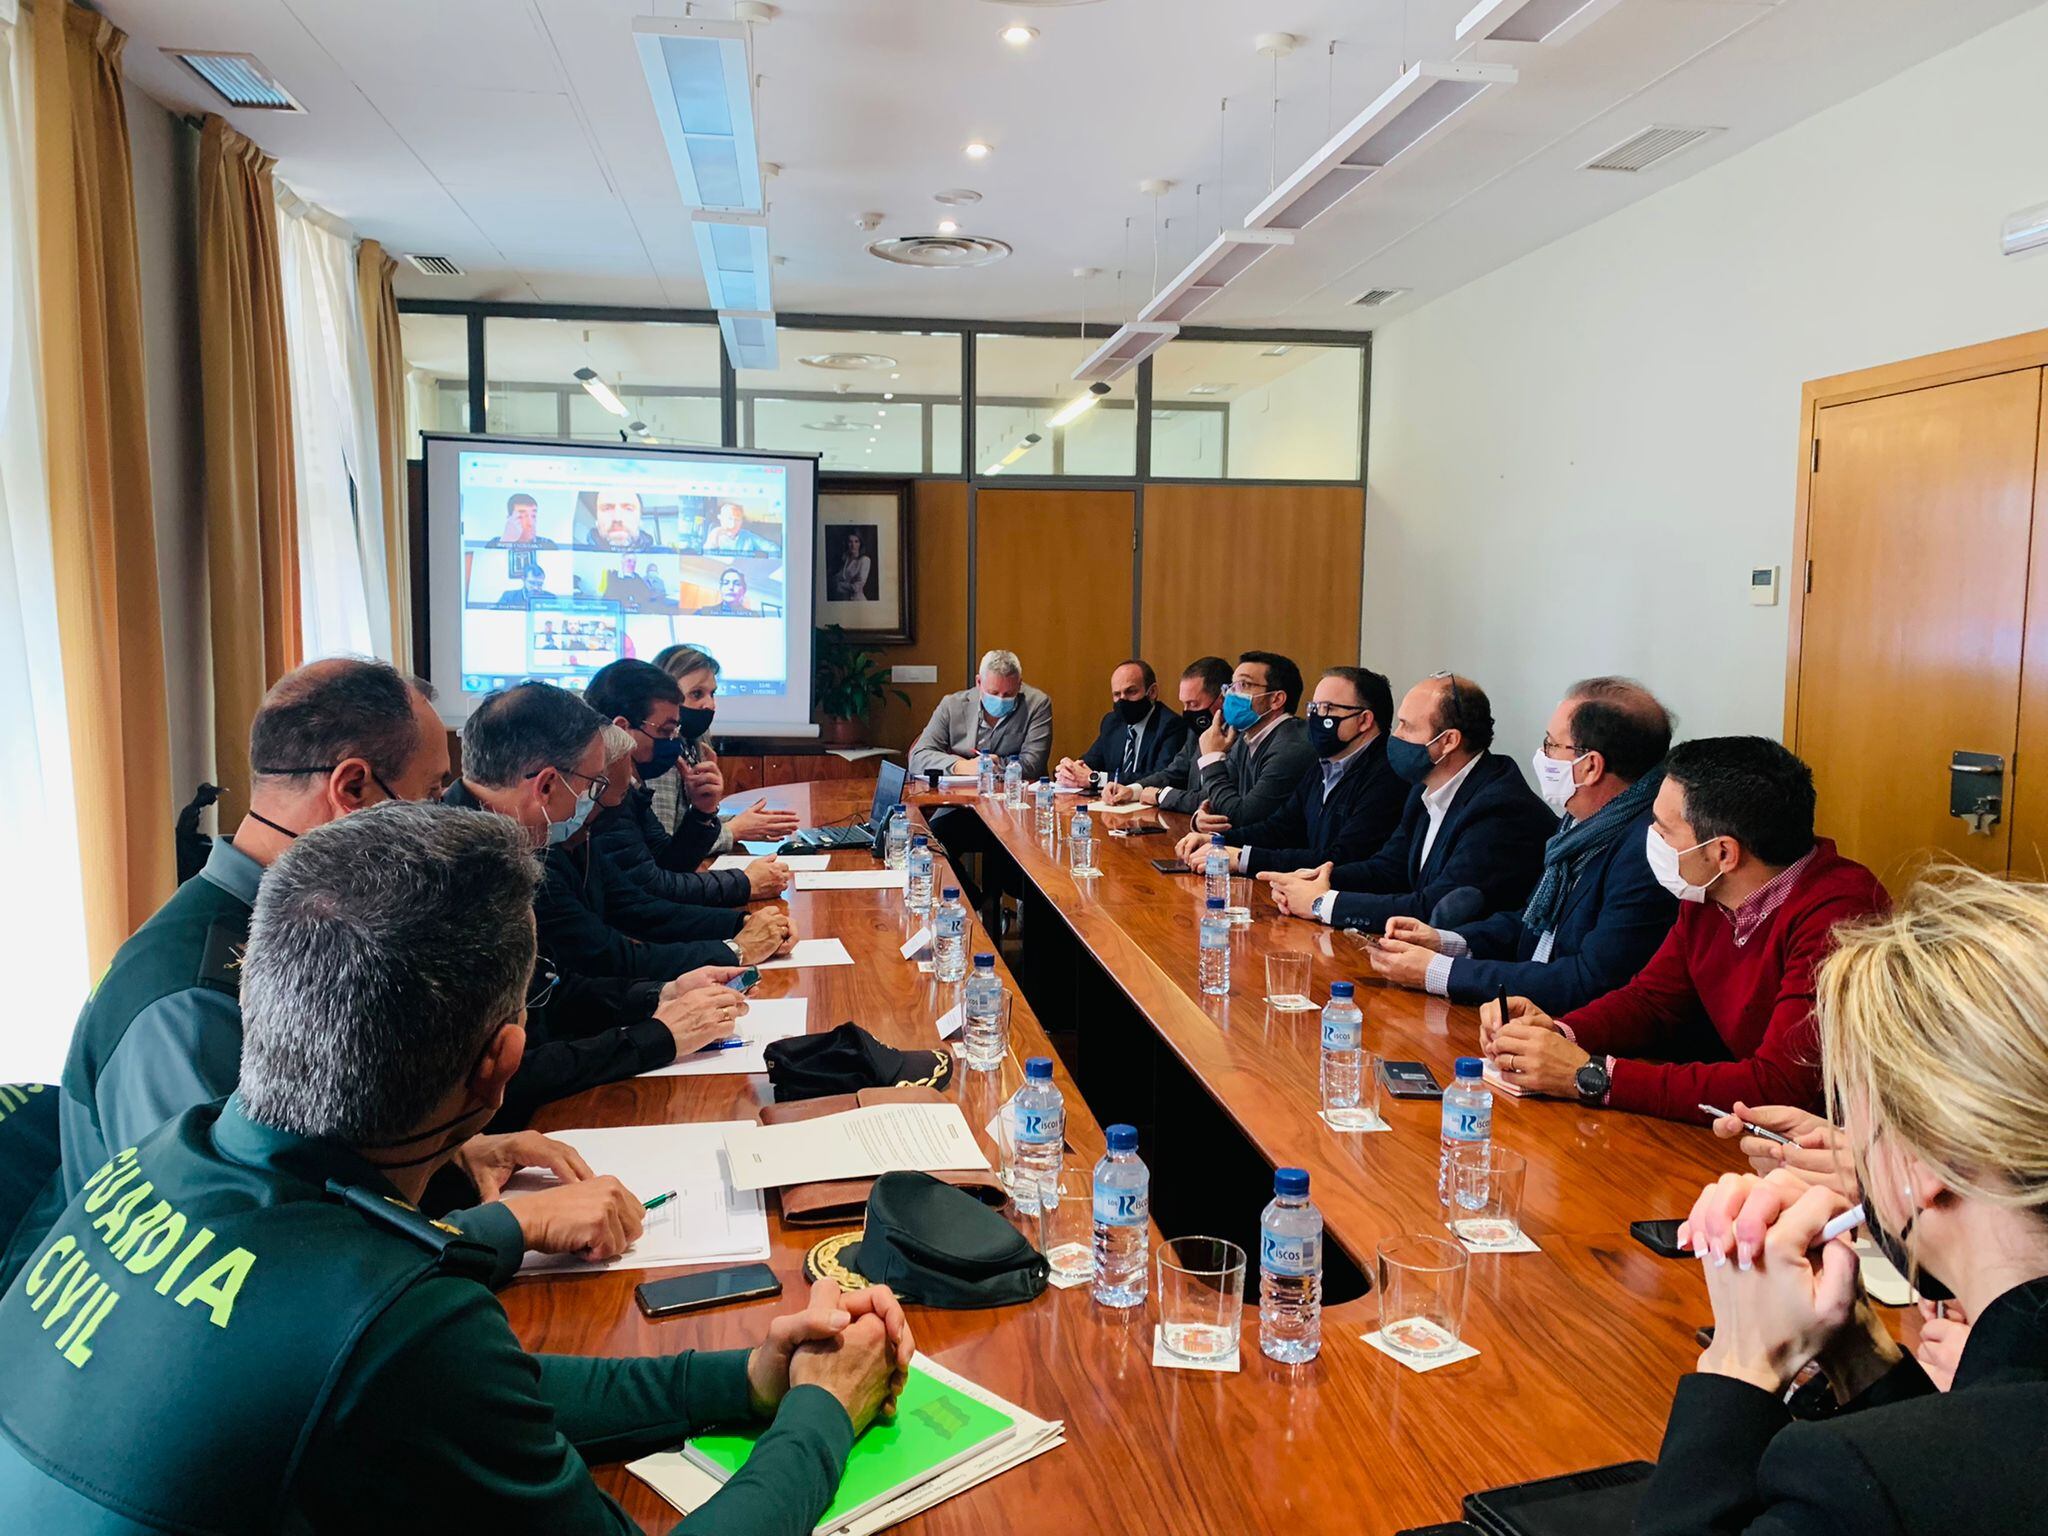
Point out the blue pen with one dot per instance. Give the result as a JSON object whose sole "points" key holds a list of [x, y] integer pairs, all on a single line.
{"points": [[731, 1042]]}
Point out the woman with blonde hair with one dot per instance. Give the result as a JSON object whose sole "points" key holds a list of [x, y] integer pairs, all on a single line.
{"points": [[1934, 1051]]}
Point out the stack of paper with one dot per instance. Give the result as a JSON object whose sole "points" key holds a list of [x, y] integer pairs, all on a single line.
{"points": [[706, 1222], [790, 861], [1500, 1084], [686, 1484], [766, 1019], [856, 1144], [851, 880], [810, 952]]}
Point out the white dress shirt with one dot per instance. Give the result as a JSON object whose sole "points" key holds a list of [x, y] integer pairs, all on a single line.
{"points": [[1435, 803]]}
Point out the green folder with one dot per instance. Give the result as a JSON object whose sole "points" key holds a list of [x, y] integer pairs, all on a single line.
{"points": [[935, 1427]]}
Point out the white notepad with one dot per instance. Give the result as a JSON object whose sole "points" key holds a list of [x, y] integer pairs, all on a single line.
{"points": [[793, 862], [855, 1144], [766, 1020], [852, 880], [810, 952]]}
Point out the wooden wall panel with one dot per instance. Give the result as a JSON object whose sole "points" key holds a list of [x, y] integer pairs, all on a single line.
{"points": [[938, 512], [1199, 599], [1053, 584], [2027, 781]]}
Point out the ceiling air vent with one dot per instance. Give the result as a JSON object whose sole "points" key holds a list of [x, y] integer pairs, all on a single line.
{"points": [[239, 79], [433, 266], [939, 250], [1640, 151], [1373, 298], [849, 362]]}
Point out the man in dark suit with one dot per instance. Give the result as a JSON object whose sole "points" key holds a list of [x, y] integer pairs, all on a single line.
{"points": [[1598, 913], [1471, 820], [1349, 808], [1138, 735], [1251, 756], [1174, 787]]}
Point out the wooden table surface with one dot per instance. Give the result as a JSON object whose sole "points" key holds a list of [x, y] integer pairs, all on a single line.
{"points": [[1580, 1345]]}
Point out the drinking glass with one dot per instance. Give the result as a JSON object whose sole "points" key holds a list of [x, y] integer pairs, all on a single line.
{"points": [[1066, 1222], [1287, 983], [1489, 1203], [1201, 1296], [1421, 1283], [1239, 908], [1365, 1114]]}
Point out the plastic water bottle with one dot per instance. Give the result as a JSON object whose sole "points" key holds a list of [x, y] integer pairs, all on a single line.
{"points": [[896, 847], [1343, 1059], [917, 892], [949, 939], [1037, 1132], [1216, 870], [1013, 784], [985, 776], [1290, 1271], [1123, 1205], [1045, 796], [1467, 1132], [1215, 955], [983, 1029], [1081, 844]]}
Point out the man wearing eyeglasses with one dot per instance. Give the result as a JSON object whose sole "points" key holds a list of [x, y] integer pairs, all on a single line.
{"points": [[162, 1032], [1255, 750], [1348, 808], [1471, 823]]}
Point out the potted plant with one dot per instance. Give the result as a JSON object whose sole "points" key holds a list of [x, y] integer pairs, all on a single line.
{"points": [[848, 681]]}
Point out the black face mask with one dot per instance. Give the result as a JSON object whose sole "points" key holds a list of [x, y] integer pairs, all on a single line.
{"points": [[1894, 1249], [691, 724], [1133, 711], [1197, 719], [1323, 735]]}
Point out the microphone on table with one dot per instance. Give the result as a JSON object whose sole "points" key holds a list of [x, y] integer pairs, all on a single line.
{"points": [[1458, 907]]}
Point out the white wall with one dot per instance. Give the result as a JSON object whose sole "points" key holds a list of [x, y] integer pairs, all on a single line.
{"points": [[166, 193], [1575, 461]]}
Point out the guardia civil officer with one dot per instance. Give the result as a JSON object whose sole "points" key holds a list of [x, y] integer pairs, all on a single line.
{"points": [[244, 1323]]}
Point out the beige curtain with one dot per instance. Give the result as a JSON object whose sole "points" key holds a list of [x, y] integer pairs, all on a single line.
{"points": [[103, 537], [252, 545], [379, 305]]}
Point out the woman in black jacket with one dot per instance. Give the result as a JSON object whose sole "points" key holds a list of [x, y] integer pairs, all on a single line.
{"points": [[1934, 1041]]}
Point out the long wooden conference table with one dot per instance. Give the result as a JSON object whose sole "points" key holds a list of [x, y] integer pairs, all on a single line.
{"points": [[1580, 1344]]}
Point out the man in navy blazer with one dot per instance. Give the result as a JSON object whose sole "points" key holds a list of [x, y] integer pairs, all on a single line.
{"points": [[1470, 821], [1139, 735], [1350, 806], [1598, 913]]}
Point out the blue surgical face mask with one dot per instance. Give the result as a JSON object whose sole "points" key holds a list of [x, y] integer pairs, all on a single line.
{"points": [[1238, 712], [1410, 760], [562, 831], [666, 750], [998, 708]]}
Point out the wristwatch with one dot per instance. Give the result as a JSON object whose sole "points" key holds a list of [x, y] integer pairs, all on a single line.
{"points": [[1591, 1081], [741, 955]]}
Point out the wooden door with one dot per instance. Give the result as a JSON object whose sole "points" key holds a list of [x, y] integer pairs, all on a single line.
{"points": [[2027, 784], [1052, 582], [1918, 527]]}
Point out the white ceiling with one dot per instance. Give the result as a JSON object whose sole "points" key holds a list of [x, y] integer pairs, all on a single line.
{"points": [[516, 136]]}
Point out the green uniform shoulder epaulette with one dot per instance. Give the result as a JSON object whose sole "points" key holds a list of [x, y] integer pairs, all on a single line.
{"points": [[220, 961], [455, 1251]]}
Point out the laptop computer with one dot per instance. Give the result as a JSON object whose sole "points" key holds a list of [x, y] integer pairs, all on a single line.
{"points": [[889, 781]]}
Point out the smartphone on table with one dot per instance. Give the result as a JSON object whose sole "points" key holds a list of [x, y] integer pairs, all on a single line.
{"points": [[1660, 1237], [747, 980], [713, 1288], [1410, 1080]]}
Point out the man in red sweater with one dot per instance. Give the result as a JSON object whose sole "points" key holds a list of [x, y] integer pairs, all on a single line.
{"points": [[1724, 1009]]}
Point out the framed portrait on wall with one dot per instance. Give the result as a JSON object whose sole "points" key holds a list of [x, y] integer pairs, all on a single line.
{"points": [[863, 576]]}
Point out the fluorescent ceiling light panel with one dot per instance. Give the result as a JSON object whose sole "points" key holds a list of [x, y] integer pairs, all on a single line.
{"points": [[1531, 21], [1227, 258], [1077, 407], [1408, 113], [601, 392], [733, 248], [702, 84], [1129, 347], [2026, 230], [749, 338]]}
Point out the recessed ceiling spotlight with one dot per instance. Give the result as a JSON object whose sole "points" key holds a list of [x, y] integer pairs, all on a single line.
{"points": [[957, 197], [1207, 389], [1276, 351], [1017, 35], [895, 375], [881, 410], [977, 149], [949, 227], [889, 394]]}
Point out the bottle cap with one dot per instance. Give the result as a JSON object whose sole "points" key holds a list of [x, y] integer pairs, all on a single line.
{"points": [[920, 841], [1291, 1182], [950, 892], [1471, 1066], [1341, 989], [1215, 839], [1039, 1067], [900, 806], [1121, 1138], [1215, 903], [984, 962], [1045, 778]]}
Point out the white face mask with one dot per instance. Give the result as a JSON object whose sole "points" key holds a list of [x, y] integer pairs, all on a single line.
{"points": [[1664, 865], [1554, 778]]}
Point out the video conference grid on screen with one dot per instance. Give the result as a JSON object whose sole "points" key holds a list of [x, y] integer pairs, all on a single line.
{"points": [[572, 561]]}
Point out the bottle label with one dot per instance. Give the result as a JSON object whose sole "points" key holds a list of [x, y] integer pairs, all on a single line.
{"points": [[1343, 1034], [1294, 1255], [1466, 1124], [1034, 1127], [1119, 1207]]}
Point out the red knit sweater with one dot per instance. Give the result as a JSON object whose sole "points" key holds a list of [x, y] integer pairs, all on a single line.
{"points": [[1725, 1022]]}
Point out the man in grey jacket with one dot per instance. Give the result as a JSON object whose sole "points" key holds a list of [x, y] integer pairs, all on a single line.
{"points": [[1002, 714], [1256, 750]]}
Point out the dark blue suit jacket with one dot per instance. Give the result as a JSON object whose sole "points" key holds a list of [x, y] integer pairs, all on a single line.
{"points": [[1165, 734], [1354, 823], [1614, 917], [1492, 839]]}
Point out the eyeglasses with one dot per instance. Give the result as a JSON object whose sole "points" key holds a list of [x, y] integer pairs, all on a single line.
{"points": [[1572, 747], [598, 782], [1457, 710], [668, 732], [541, 988], [1334, 711]]}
